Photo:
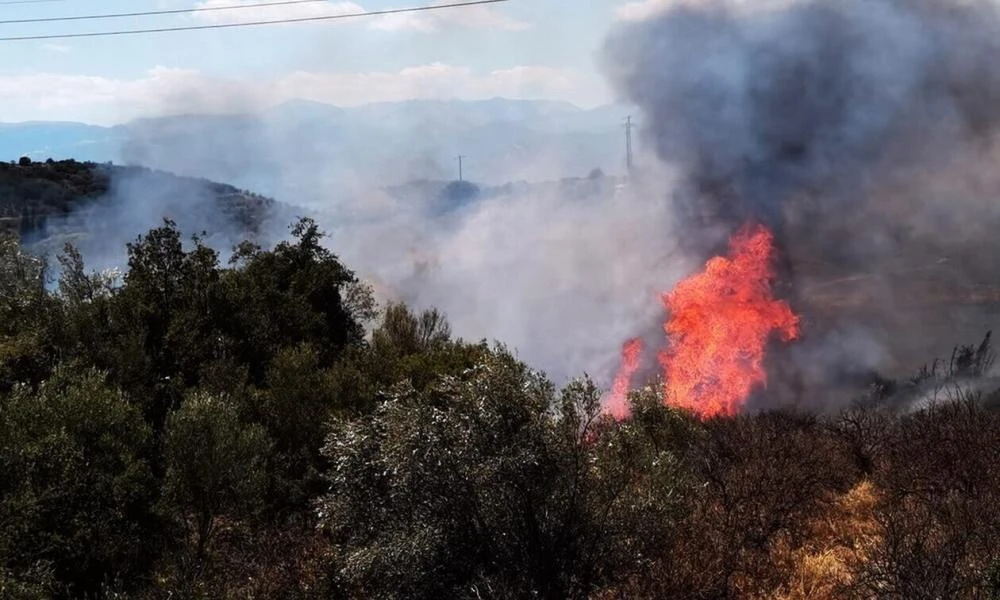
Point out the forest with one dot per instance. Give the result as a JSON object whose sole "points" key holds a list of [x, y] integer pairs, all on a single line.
{"points": [[264, 429]]}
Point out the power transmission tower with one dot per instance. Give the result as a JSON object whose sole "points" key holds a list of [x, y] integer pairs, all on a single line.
{"points": [[460, 157], [628, 144]]}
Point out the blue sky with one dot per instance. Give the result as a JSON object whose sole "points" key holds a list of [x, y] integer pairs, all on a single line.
{"points": [[519, 49]]}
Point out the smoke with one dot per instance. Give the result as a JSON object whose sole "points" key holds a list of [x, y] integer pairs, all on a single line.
{"points": [[139, 199], [863, 132], [562, 273], [816, 98]]}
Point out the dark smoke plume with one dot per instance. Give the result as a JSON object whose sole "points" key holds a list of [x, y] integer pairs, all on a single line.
{"points": [[863, 132]]}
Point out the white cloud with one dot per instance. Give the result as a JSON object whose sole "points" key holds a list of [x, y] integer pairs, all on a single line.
{"points": [[471, 17], [271, 13], [641, 10], [163, 91]]}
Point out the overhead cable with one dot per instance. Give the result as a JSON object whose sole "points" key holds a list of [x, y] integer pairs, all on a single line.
{"points": [[371, 13]]}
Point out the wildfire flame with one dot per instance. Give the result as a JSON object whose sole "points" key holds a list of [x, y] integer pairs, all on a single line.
{"points": [[718, 326], [617, 405], [720, 320]]}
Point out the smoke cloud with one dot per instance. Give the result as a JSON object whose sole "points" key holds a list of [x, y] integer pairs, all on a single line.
{"points": [[139, 199], [863, 132], [562, 273]]}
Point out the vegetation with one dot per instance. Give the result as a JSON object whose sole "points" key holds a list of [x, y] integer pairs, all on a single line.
{"points": [[259, 430], [33, 192]]}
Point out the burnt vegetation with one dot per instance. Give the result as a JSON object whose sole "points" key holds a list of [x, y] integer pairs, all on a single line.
{"points": [[261, 429]]}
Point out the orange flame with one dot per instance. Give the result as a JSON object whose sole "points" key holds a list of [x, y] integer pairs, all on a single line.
{"points": [[720, 320], [617, 405]]}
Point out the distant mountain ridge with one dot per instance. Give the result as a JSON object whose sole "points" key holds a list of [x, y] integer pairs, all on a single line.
{"points": [[298, 147]]}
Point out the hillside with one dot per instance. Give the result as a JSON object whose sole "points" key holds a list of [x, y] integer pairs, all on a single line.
{"points": [[39, 197]]}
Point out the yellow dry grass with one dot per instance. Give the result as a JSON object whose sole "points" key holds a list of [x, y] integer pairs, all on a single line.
{"points": [[839, 540]]}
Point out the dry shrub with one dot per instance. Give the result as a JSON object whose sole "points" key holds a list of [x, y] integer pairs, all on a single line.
{"points": [[766, 480], [938, 512], [274, 563]]}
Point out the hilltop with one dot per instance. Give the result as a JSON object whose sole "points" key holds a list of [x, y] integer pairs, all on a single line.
{"points": [[41, 199]]}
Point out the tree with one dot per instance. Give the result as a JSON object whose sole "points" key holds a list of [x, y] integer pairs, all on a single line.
{"points": [[25, 310], [938, 513], [299, 292], [492, 486], [76, 489], [295, 406], [406, 346], [166, 321], [216, 465]]}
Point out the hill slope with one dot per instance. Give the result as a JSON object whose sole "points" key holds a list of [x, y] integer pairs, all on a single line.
{"points": [[35, 196]]}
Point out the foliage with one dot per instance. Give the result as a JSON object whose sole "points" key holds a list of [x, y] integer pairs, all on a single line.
{"points": [[296, 293], [31, 193], [262, 429], [490, 485], [76, 489], [215, 464], [938, 515]]}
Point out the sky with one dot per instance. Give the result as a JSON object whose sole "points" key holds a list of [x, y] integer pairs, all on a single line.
{"points": [[522, 49]]}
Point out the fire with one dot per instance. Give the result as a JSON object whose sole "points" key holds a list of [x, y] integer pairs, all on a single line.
{"points": [[720, 320], [718, 326], [617, 405]]}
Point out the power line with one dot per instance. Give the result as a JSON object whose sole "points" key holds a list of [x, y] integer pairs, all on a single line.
{"points": [[149, 13], [28, 1], [372, 13]]}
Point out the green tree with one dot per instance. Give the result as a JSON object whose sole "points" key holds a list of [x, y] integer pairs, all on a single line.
{"points": [[295, 405], [406, 346], [75, 486], [25, 332], [299, 292], [216, 465], [493, 486], [166, 320]]}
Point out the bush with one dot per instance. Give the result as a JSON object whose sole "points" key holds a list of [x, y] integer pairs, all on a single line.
{"points": [[76, 489], [494, 486], [938, 513], [216, 465]]}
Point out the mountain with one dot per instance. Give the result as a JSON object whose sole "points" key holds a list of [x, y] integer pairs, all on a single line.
{"points": [[308, 152], [40, 140]]}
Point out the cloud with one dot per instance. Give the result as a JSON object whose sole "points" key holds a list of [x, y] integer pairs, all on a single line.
{"points": [[166, 91], [469, 17], [250, 12], [641, 10]]}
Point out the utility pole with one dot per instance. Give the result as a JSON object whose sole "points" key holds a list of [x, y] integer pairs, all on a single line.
{"points": [[628, 144], [460, 157]]}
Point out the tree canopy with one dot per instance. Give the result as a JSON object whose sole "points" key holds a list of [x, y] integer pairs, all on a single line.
{"points": [[265, 429]]}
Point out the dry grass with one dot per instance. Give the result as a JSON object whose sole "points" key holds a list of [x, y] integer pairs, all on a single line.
{"points": [[823, 567]]}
